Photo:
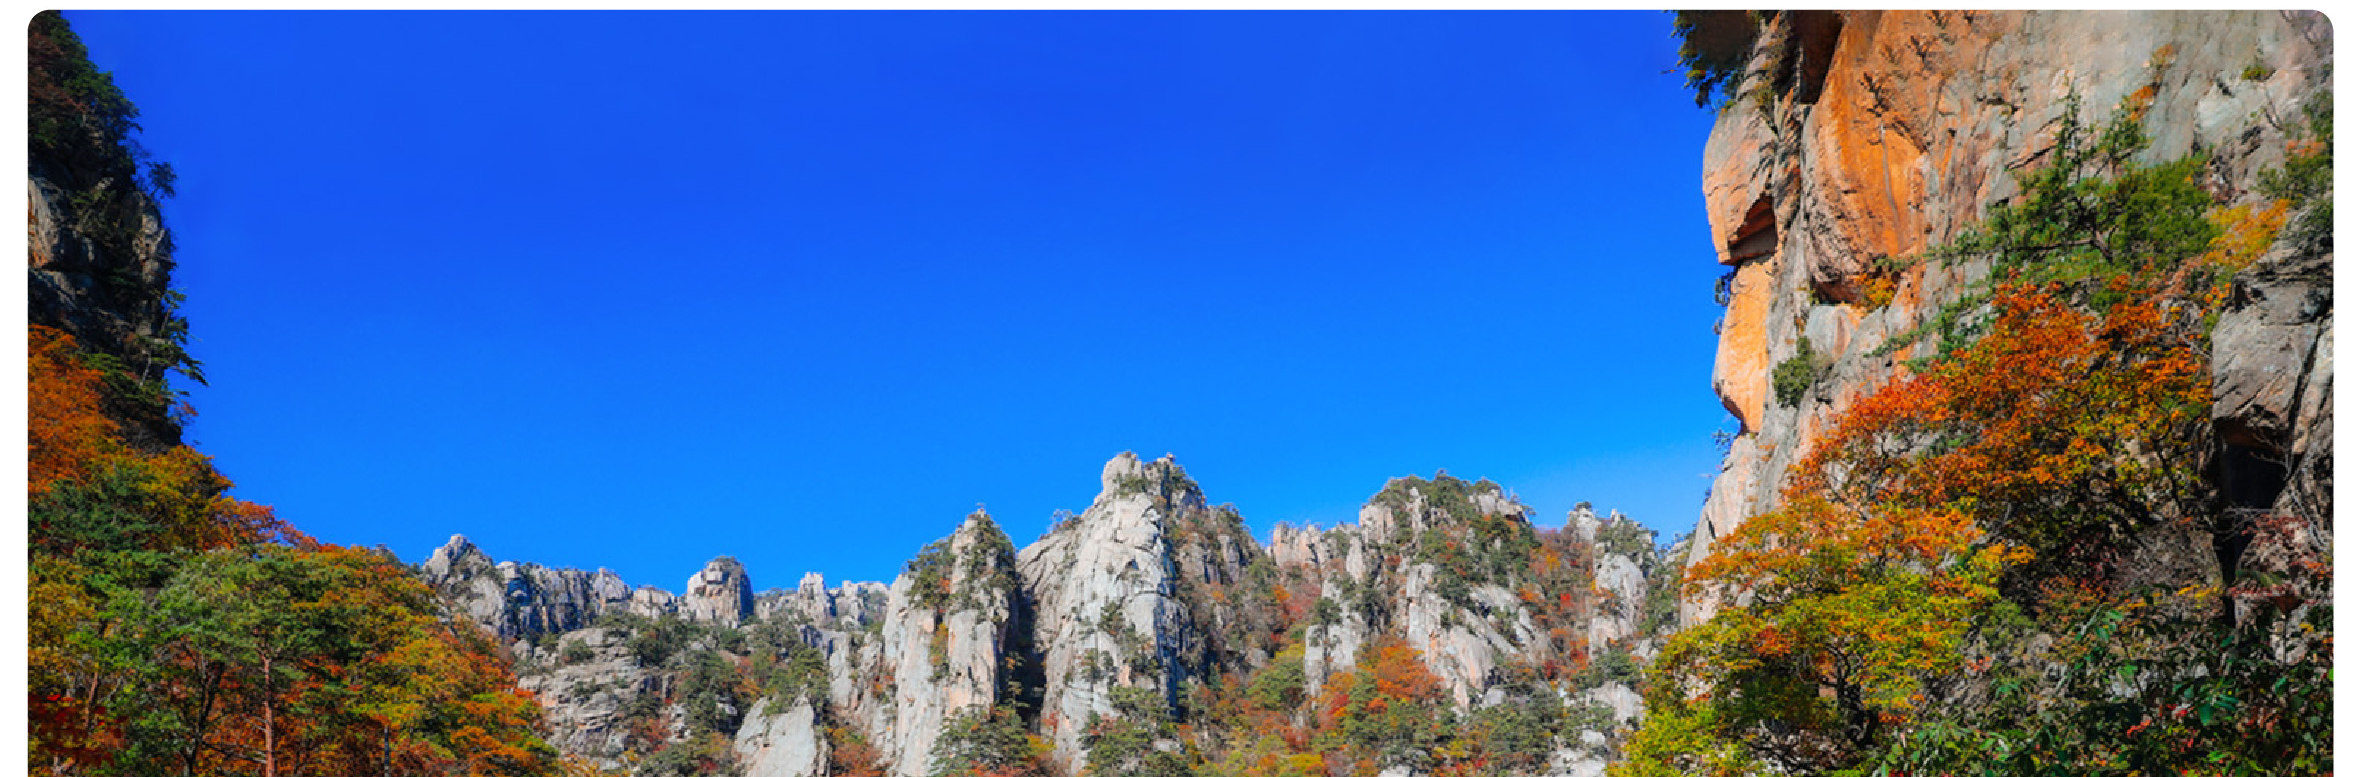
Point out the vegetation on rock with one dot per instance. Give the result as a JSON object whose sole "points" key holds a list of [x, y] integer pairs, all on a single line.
{"points": [[988, 743], [174, 629], [1715, 46], [1795, 376], [116, 299], [1952, 586]]}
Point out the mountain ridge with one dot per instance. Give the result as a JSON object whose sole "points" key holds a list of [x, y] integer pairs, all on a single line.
{"points": [[1148, 590]]}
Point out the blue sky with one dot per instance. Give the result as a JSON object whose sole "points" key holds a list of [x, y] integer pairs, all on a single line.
{"points": [[636, 289]]}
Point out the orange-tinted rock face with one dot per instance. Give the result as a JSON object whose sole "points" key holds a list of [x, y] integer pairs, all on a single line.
{"points": [[1741, 368], [1871, 160], [1881, 134]]}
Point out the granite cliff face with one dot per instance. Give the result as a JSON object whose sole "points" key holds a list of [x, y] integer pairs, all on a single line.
{"points": [[1108, 587], [1149, 594], [1875, 136]]}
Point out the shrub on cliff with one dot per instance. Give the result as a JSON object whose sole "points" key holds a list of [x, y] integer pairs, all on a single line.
{"points": [[2308, 178], [1943, 589], [990, 742], [1715, 46], [1798, 373]]}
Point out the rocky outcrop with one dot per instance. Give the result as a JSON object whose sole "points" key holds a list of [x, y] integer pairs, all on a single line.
{"points": [[848, 606], [99, 260], [108, 294], [1471, 619], [1105, 587], [588, 682], [521, 600], [2274, 365], [1869, 137], [719, 593], [948, 627], [1149, 591], [783, 743]]}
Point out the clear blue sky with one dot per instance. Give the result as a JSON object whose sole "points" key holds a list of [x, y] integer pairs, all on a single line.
{"points": [[634, 289]]}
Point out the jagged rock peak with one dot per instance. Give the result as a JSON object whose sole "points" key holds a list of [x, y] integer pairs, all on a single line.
{"points": [[1105, 590], [979, 521], [720, 593], [945, 639], [1583, 522], [1161, 480], [1298, 546], [518, 600], [973, 566], [648, 601], [459, 554], [1411, 504]]}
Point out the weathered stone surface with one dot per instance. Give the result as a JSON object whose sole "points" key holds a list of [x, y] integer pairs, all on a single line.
{"points": [[1625, 702], [648, 601], [1908, 139], [2264, 349], [1104, 589], [520, 600], [586, 698], [106, 295], [1143, 590], [785, 743], [1583, 522], [1570, 762], [944, 648], [719, 593], [1742, 358]]}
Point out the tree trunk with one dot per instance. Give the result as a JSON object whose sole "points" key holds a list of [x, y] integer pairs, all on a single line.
{"points": [[269, 743]]}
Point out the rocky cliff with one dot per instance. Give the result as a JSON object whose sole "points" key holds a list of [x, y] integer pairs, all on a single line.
{"points": [[100, 262], [1859, 143], [1122, 641]]}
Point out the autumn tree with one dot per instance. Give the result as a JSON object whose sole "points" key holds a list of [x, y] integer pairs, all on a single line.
{"points": [[1943, 588]]}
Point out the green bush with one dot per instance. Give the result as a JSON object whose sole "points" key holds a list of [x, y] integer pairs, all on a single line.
{"points": [[1326, 611], [2307, 179], [1609, 664], [801, 672], [1661, 609], [981, 741], [1519, 734], [1278, 687], [1795, 376], [1714, 48], [1627, 537], [708, 693], [1125, 744], [2092, 213], [687, 758], [986, 569]]}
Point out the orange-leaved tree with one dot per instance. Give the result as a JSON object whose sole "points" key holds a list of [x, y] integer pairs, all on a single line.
{"points": [[1855, 605], [1963, 575]]}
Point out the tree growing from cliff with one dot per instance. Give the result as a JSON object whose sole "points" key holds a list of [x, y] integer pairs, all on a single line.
{"points": [[1715, 46], [1886, 616], [988, 743]]}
